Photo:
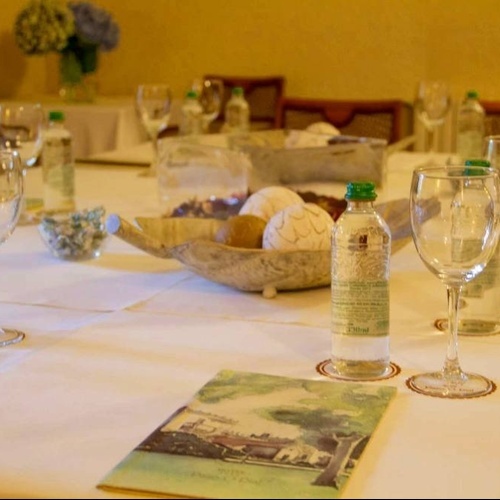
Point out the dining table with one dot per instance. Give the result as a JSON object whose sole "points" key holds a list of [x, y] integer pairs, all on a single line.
{"points": [[103, 125], [116, 344]]}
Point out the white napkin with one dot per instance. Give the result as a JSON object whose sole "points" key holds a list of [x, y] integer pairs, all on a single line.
{"points": [[317, 134], [323, 128]]}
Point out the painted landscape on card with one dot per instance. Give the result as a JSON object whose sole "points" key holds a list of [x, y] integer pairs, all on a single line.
{"points": [[255, 435]]}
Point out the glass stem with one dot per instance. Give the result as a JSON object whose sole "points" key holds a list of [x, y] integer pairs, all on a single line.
{"points": [[152, 167], [205, 123], [432, 141], [451, 370]]}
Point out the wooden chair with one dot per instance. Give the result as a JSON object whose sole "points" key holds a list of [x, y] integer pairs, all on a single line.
{"points": [[383, 119], [262, 93], [492, 118]]}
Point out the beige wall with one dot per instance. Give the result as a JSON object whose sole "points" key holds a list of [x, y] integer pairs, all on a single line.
{"points": [[325, 48]]}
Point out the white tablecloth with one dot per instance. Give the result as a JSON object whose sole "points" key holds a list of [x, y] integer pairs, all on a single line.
{"points": [[102, 126], [114, 345], [108, 124]]}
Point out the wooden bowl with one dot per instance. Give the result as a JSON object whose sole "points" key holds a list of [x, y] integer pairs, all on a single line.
{"points": [[190, 241]]}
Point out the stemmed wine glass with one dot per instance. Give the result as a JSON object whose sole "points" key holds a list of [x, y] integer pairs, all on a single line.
{"points": [[21, 129], [491, 150], [153, 103], [11, 196], [211, 93], [455, 240], [432, 103]]}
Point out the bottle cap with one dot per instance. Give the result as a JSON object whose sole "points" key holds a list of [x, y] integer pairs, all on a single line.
{"points": [[237, 91], [472, 94], [477, 162], [56, 116], [481, 164], [192, 94], [360, 191]]}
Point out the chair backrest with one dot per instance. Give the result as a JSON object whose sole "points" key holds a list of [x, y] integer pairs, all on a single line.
{"points": [[492, 118], [382, 119], [262, 93]]}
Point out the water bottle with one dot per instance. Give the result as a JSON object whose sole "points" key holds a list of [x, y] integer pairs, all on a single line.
{"points": [[237, 113], [192, 114], [479, 312], [58, 169], [470, 127], [361, 249]]}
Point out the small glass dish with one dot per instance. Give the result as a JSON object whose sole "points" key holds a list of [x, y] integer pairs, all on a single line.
{"points": [[76, 235]]}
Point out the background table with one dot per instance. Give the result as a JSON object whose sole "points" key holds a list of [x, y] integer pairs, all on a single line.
{"points": [[102, 126], [108, 124], [117, 344]]}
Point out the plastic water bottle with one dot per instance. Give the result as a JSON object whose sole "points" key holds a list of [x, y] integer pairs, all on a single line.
{"points": [[58, 169], [237, 113], [192, 113], [361, 249], [470, 127], [479, 313]]}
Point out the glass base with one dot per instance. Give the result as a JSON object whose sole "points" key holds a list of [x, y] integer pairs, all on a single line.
{"points": [[470, 385], [84, 91], [9, 336], [471, 327]]}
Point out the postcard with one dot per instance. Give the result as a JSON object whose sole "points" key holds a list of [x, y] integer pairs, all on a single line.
{"points": [[252, 435]]}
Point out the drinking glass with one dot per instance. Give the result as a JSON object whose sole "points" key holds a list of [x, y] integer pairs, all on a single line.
{"points": [[21, 127], [455, 241], [211, 93], [153, 103], [491, 150], [432, 103], [11, 195], [479, 314]]}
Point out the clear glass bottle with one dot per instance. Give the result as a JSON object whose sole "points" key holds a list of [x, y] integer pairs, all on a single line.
{"points": [[361, 249], [479, 312], [470, 127], [237, 113], [58, 169], [192, 115]]}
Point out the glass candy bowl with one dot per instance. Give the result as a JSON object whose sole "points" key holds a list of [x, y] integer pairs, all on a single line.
{"points": [[76, 235]]}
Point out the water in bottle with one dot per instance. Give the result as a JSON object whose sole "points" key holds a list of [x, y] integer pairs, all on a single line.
{"points": [[361, 248], [470, 127], [479, 312], [192, 114], [58, 171], [237, 113]]}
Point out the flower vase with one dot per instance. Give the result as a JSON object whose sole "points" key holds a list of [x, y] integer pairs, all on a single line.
{"points": [[77, 74]]}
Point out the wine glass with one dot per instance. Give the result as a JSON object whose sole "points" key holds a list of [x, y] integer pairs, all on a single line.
{"points": [[479, 314], [211, 92], [21, 129], [11, 195], [153, 103], [455, 240], [432, 103], [21, 126], [491, 150]]}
